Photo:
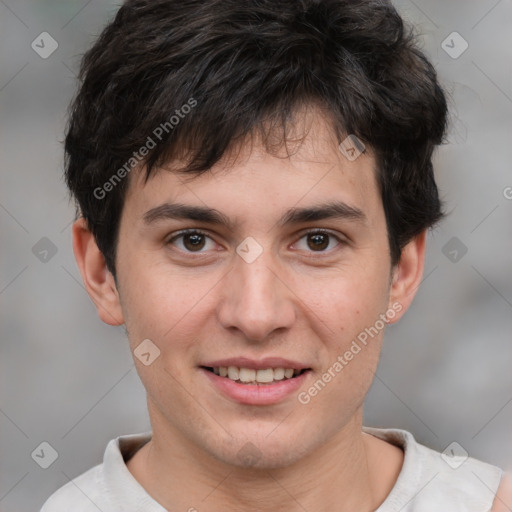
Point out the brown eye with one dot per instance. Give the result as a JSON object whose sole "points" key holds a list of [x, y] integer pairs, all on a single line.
{"points": [[319, 241], [192, 240]]}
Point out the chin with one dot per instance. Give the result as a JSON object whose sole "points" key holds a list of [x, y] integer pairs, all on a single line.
{"points": [[262, 452]]}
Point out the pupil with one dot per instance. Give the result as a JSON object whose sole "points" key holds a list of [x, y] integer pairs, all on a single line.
{"points": [[195, 240], [317, 238]]}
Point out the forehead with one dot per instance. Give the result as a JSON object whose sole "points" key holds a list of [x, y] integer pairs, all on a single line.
{"points": [[248, 182]]}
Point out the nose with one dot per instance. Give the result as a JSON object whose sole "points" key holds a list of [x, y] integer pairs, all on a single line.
{"points": [[257, 299]]}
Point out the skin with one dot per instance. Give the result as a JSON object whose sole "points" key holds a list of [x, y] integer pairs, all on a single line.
{"points": [[503, 500], [293, 301]]}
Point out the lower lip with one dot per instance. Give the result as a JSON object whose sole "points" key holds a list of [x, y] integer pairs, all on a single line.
{"points": [[256, 394]]}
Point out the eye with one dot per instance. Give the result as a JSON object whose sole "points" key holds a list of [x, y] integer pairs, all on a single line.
{"points": [[193, 239], [319, 240]]}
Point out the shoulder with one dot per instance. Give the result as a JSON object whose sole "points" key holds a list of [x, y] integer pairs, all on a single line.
{"points": [[503, 499], [84, 493], [460, 478], [451, 480], [104, 486]]}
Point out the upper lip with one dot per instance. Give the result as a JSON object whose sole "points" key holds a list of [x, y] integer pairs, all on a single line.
{"points": [[259, 364]]}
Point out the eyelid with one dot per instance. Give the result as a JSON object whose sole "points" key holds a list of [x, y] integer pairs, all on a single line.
{"points": [[334, 234]]}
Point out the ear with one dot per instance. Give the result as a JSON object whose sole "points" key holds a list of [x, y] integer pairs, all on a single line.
{"points": [[407, 275], [98, 280]]}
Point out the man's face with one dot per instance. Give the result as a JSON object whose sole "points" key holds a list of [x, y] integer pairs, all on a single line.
{"points": [[257, 290]]}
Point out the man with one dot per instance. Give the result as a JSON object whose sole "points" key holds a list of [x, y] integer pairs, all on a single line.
{"points": [[254, 185]]}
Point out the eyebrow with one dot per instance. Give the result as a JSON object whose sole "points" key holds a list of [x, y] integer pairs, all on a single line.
{"points": [[331, 210]]}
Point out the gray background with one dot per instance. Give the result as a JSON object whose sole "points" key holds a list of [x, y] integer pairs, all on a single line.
{"points": [[69, 380]]}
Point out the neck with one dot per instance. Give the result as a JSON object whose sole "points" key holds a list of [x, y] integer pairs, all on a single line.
{"points": [[344, 474]]}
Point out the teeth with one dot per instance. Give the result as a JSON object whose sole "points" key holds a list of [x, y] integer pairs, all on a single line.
{"points": [[265, 375], [248, 375], [233, 372], [278, 373]]}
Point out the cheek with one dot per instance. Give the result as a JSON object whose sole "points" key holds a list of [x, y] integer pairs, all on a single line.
{"points": [[349, 302], [168, 309], [349, 324], [347, 316]]}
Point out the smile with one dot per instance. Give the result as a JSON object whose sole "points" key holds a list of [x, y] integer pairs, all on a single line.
{"points": [[251, 386], [252, 376]]}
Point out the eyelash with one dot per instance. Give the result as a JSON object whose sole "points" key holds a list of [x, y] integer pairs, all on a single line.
{"points": [[184, 232]]}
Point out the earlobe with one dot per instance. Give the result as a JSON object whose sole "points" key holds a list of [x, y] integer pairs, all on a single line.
{"points": [[408, 274], [98, 280]]}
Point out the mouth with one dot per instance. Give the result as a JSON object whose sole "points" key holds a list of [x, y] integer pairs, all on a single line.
{"points": [[251, 376], [249, 381]]}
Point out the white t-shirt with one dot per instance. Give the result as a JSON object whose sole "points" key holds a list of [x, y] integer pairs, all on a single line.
{"points": [[428, 481]]}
